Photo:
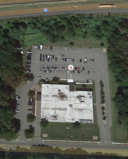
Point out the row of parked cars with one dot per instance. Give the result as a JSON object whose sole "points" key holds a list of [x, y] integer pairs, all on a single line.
{"points": [[17, 99], [41, 47], [28, 61]]}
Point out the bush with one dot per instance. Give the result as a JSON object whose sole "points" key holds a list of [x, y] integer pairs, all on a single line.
{"points": [[55, 78], [30, 118], [77, 124], [71, 43], [44, 122], [31, 93], [29, 133], [102, 44]]}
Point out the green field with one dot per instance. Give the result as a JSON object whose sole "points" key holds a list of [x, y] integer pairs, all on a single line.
{"points": [[58, 131], [84, 43], [118, 133]]}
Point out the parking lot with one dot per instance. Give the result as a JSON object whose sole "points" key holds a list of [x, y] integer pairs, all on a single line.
{"points": [[84, 61]]}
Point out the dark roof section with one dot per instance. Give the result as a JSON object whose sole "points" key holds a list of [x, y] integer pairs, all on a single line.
{"points": [[38, 97]]}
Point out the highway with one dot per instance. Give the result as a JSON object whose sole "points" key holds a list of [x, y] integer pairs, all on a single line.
{"points": [[93, 11]]}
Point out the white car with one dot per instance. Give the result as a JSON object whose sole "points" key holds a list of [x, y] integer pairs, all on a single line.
{"points": [[68, 71], [17, 111], [90, 49], [85, 59], [65, 48], [17, 97], [39, 77]]}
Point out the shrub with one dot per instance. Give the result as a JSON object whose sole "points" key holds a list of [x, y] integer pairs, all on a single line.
{"points": [[77, 124], [31, 93], [71, 43], [44, 122], [102, 44], [30, 118], [29, 133]]}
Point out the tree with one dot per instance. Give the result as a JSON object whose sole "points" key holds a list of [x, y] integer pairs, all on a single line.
{"points": [[77, 124], [44, 122], [71, 43], [31, 93], [30, 118], [29, 133]]}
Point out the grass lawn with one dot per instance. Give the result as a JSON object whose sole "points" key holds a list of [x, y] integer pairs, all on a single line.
{"points": [[84, 43], [58, 131], [118, 133]]}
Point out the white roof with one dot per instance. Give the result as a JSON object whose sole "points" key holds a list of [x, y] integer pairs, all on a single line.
{"points": [[59, 104]]}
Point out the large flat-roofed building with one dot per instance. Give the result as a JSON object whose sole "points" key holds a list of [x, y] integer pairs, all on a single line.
{"points": [[60, 104]]}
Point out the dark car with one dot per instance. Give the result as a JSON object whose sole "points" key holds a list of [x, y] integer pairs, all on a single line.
{"points": [[72, 60], [75, 68], [53, 56], [56, 59], [88, 72], [50, 47], [83, 68], [40, 58], [41, 55], [29, 58], [78, 71], [28, 63], [80, 60]]}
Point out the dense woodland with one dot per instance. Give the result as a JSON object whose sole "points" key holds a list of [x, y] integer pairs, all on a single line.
{"points": [[60, 28]]}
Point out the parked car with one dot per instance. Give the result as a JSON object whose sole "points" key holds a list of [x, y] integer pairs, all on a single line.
{"points": [[39, 77], [93, 72], [67, 59], [50, 47], [41, 55], [28, 63], [78, 71], [80, 60], [41, 46], [17, 111], [68, 71], [90, 49], [70, 60], [65, 48], [60, 56], [28, 70], [88, 72], [83, 68], [29, 57], [75, 68], [85, 59], [73, 60], [17, 97], [85, 62]]}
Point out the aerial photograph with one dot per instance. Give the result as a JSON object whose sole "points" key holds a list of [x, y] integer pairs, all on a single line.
{"points": [[63, 79]]}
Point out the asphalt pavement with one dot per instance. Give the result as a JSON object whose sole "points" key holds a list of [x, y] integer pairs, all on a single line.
{"points": [[91, 11]]}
